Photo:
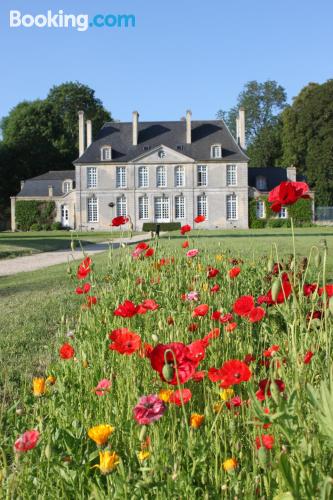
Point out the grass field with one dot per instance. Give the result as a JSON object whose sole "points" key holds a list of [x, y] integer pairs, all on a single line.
{"points": [[19, 244], [246, 443]]}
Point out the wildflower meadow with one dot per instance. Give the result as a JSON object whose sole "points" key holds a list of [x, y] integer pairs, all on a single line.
{"points": [[186, 373]]}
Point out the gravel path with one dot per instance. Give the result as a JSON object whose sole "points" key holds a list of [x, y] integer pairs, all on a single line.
{"points": [[46, 259]]}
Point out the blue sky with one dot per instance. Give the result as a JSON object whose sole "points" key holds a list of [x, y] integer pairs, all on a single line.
{"points": [[181, 54]]}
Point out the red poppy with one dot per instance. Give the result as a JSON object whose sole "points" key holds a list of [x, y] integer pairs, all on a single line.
{"points": [[145, 350], [66, 351], [244, 305], [308, 289], [328, 290], [150, 304], [85, 289], [234, 402], [287, 193], [196, 351], [91, 300], [84, 268], [230, 327], [124, 341], [226, 318], [248, 358], [141, 246], [185, 244], [181, 362], [200, 310], [149, 252], [266, 440], [215, 288], [264, 388], [256, 314], [212, 272], [198, 376], [213, 334], [119, 221], [170, 320], [180, 397], [193, 327], [232, 372], [215, 315], [234, 272], [126, 310], [308, 357], [271, 351], [283, 294], [185, 229], [200, 218]]}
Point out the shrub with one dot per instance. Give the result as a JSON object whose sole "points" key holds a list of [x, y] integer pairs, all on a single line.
{"points": [[36, 227], [56, 226], [258, 224], [29, 212], [164, 226], [279, 223]]}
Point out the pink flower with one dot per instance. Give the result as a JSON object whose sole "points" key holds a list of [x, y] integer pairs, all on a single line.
{"points": [[192, 296], [192, 253], [149, 409], [27, 441], [103, 387]]}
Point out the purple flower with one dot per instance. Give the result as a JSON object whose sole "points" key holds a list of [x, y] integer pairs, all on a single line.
{"points": [[149, 409], [192, 296]]}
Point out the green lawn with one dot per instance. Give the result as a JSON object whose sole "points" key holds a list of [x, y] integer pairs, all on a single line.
{"points": [[33, 305], [18, 244]]}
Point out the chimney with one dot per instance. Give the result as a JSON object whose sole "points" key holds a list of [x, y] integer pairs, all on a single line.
{"points": [[22, 185], [237, 129], [135, 127], [241, 127], [291, 173], [89, 132], [188, 127], [50, 191], [81, 133]]}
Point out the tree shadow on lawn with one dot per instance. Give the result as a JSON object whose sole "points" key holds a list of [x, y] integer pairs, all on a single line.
{"points": [[45, 244], [251, 235]]}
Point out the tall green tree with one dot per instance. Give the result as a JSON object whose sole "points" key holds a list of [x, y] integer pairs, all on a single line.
{"points": [[266, 148], [307, 138], [262, 102]]}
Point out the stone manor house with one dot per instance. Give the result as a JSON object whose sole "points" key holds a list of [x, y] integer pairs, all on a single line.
{"points": [[157, 172]]}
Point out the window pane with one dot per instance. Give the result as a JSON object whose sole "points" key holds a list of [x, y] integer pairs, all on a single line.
{"points": [[121, 206], [92, 210], [106, 153], [179, 176], [231, 207], [121, 177], [261, 183], [143, 207], [91, 177], [143, 176], [283, 214], [231, 175], [260, 209], [217, 151], [202, 205], [180, 207], [161, 176], [162, 208], [202, 175]]}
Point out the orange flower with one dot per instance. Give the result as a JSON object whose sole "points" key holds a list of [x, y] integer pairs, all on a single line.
{"points": [[165, 394], [38, 386], [230, 464], [100, 433], [107, 461], [196, 420]]}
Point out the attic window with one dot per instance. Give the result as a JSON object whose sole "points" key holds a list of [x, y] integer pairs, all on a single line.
{"points": [[261, 183], [106, 153], [67, 186], [180, 147], [146, 148], [216, 151]]}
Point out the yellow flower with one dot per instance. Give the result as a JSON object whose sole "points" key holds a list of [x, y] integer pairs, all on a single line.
{"points": [[85, 363], [196, 420], [51, 380], [227, 394], [100, 433], [219, 258], [107, 461], [165, 394], [217, 407], [205, 287], [38, 386], [230, 464], [143, 455]]}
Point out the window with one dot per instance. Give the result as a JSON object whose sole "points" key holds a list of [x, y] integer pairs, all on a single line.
{"points": [[179, 176], [67, 187], [283, 214], [180, 207], [202, 205], [231, 175], [143, 177], [121, 206], [146, 148], [231, 207], [180, 147], [261, 183], [91, 177], [106, 153], [202, 175], [92, 209], [162, 208], [143, 207], [216, 151], [260, 209], [121, 177], [161, 180]]}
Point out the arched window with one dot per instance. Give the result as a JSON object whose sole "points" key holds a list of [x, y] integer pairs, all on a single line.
{"points": [[161, 178], [121, 206], [179, 176], [143, 177], [106, 153], [261, 183], [216, 151]]}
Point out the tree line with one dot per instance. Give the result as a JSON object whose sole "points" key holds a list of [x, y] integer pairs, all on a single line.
{"points": [[42, 135]]}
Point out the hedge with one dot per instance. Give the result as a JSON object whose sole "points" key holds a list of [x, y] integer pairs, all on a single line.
{"points": [[300, 212], [31, 213], [164, 226]]}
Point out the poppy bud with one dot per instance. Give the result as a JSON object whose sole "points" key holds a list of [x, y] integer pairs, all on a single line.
{"points": [[330, 305], [154, 337], [160, 325], [270, 265], [317, 259], [275, 392], [168, 372], [262, 456], [143, 432], [68, 270], [276, 287], [48, 451]]}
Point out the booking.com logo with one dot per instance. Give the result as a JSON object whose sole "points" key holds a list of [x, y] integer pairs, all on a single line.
{"points": [[80, 22]]}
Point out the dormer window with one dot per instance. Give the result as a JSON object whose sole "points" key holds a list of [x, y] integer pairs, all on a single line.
{"points": [[106, 153], [216, 151], [261, 183], [67, 186]]}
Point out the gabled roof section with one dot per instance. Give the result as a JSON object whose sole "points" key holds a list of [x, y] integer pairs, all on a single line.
{"points": [[273, 175], [171, 134], [39, 186], [170, 155]]}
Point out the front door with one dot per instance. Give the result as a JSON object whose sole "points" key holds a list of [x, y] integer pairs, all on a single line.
{"points": [[64, 216], [162, 209]]}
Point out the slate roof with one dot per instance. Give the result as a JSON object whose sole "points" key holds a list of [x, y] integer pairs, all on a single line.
{"points": [[39, 186], [171, 134], [273, 175]]}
